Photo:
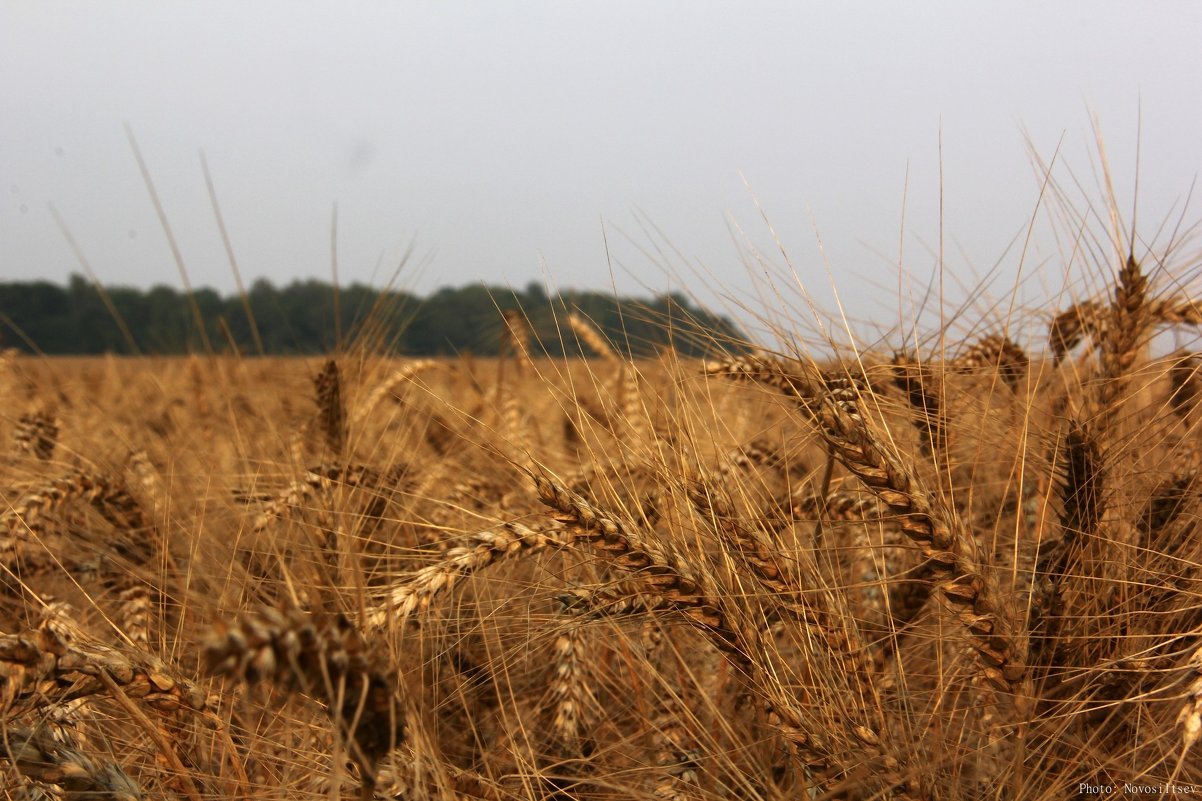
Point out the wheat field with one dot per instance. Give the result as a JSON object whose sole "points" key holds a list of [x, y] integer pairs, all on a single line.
{"points": [[966, 573]]}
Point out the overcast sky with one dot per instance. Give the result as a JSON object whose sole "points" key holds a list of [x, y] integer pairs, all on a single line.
{"points": [[505, 141]]}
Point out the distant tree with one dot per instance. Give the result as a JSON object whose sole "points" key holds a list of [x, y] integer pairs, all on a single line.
{"points": [[300, 319]]}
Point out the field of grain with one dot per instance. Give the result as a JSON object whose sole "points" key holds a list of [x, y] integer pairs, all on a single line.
{"points": [[968, 574]]}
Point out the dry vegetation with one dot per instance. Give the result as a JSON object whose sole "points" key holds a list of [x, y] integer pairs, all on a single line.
{"points": [[947, 575]]}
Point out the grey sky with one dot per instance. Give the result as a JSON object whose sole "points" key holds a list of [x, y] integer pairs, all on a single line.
{"points": [[491, 133]]}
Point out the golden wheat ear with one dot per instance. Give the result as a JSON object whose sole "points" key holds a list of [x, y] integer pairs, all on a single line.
{"points": [[39, 755], [331, 408], [36, 434], [326, 659], [517, 334], [587, 333], [1185, 377], [1190, 717], [415, 592], [1074, 324], [964, 582], [994, 353], [918, 382]]}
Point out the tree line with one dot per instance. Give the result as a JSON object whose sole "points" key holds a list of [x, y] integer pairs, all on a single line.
{"points": [[308, 317]]}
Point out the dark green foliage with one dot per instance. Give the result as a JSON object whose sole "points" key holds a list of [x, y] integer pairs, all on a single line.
{"points": [[299, 319]]}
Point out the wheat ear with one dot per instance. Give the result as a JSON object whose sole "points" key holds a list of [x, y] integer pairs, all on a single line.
{"points": [[517, 337], [325, 659], [665, 575], [916, 380], [37, 754], [322, 478], [997, 353], [775, 575], [39, 665], [37, 434], [936, 529], [415, 592], [1190, 717], [1185, 377], [27, 516], [570, 695], [407, 373], [589, 335], [1087, 319], [331, 410], [662, 572]]}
